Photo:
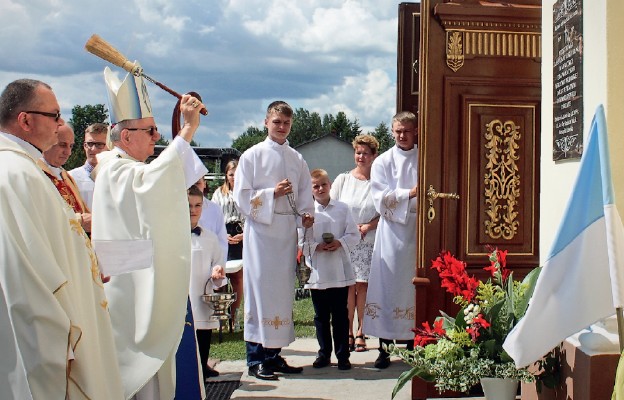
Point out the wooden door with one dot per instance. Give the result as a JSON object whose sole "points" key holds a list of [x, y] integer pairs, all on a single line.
{"points": [[479, 118]]}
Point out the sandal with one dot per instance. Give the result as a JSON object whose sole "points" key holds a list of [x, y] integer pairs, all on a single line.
{"points": [[351, 343], [360, 347]]}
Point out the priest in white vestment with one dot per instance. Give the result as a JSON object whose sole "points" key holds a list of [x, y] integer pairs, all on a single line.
{"points": [[141, 233], [273, 189], [56, 339], [390, 301]]}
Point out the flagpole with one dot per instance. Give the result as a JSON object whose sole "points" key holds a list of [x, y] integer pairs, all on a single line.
{"points": [[620, 322]]}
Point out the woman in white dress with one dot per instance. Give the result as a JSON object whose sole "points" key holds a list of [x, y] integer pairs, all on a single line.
{"points": [[354, 188]]}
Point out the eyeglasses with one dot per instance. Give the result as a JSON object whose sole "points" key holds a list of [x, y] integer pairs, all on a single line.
{"points": [[151, 130], [56, 115], [95, 145]]}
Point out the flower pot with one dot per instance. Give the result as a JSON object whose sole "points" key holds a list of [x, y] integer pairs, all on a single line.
{"points": [[499, 388]]}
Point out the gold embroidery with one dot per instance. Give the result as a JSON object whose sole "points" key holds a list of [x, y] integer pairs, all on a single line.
{"points": [[400, 313], [390, 203], [372, 310], [276, 322], [256, 203], [75, 225]]}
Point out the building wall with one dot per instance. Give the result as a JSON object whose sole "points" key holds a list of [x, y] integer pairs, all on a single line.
{"points": [[333, 155], [603, 66]]}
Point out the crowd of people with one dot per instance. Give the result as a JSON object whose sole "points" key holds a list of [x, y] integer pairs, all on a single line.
{"points": [[104, 266]]}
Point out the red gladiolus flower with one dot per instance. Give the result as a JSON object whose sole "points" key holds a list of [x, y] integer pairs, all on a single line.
{"points": [[428, 335], [477, 323], [454, 277]]}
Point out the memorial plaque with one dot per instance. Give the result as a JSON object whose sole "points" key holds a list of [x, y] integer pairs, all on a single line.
{"points": [[567, 79]]}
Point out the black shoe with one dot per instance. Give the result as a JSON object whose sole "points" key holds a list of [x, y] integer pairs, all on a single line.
{"points": [[210, 372], [383, 361], [344, 365], [280, 365], [261, 372], [321, 362]]}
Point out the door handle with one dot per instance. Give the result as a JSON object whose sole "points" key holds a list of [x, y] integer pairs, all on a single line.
{"points": [[432, 195]]}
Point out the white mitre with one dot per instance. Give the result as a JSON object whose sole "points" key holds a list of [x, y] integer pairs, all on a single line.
{"points": [[127, 99]]}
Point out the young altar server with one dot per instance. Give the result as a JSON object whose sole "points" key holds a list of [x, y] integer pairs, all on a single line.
{"points": [[390, 301], [326, 247], [207, 274], [273, 191]]}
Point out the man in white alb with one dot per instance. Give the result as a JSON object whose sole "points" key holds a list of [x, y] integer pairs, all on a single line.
{"points": [[94, 144], [390, 301]]}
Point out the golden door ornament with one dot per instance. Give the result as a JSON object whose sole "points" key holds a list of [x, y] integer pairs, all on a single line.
{"points": [[454, 50], [502, 179]]}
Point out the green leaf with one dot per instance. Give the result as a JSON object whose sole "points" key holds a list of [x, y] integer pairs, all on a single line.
{"points": [[530, 280], [449, 321], [407, 377]]}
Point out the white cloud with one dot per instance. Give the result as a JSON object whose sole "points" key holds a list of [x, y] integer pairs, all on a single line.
{"points": [[324, 55]]}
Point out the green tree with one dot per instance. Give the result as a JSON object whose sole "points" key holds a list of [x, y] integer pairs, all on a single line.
{"points": [[82, 117], [306, 126], [341, 126], [383, 136], [251, 137], [356, 129]]}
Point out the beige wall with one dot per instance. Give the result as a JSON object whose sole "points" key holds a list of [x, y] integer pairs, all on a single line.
{"points": [[603, 75], [615, 95]]}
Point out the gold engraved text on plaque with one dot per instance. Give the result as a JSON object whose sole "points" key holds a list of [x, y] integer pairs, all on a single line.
{"points": [[502, 179]]}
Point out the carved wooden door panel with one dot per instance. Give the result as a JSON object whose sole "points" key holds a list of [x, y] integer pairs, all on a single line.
{"points": [[479, 118]]}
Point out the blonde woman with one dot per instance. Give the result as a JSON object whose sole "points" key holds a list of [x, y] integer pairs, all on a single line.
{"points": [[234, 222], [354, 188]]}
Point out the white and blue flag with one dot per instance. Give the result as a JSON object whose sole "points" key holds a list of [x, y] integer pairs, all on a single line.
{"points": [[581, 282]]}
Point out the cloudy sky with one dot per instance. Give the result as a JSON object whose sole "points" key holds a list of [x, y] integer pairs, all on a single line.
{"points": [[322, 55]]}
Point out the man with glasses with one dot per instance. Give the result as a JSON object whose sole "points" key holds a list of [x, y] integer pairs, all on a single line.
{"points": [[55, 330], [141, 233], [52, 165], [94, 144]]}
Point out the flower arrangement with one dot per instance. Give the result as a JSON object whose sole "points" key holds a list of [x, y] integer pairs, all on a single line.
{"points": [[456, 353]]}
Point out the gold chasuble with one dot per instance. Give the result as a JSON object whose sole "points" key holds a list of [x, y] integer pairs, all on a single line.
{"points": [[56, 340]]}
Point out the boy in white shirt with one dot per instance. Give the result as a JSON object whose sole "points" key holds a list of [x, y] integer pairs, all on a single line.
{"points": [[207, 272], [326, 248]]}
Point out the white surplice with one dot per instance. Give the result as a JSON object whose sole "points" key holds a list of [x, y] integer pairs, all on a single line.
{"points": [[330, 269], [206, 253], [270, 238], [56, 339], [140, 212], [390, 301], [84, 182], [212, 219]]}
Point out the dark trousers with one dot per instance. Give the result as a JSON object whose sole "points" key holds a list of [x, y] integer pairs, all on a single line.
{"points": [[409, 344], [331, 304], [204, 338], [258, 354]]}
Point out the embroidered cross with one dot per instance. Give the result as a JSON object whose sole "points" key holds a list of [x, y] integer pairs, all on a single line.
{"points": [[276, 322], [256, 203]]}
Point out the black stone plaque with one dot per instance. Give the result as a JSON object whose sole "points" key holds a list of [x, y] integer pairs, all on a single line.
{"points": [[567, 79]]}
